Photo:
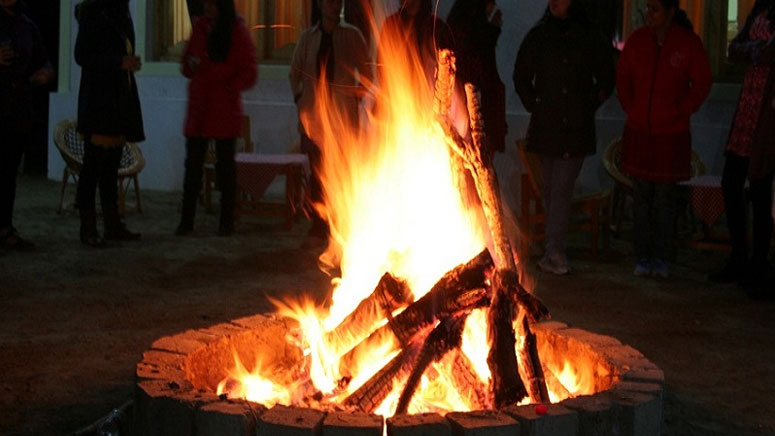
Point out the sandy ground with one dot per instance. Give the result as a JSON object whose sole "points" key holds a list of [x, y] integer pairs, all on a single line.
{"points": [[75, 320]]}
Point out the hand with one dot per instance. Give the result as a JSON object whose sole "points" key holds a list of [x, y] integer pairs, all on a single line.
{"points": [[193, 62], [41, 77], [131, 63], [6, 54]]}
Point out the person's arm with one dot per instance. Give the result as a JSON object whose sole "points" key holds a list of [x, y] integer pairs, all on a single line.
{"points": [[624, 77], [741, 48], [525, 70], [295, 76], [246, 66], [194, 51], [42, 71], [700, 77], [767, 52]]}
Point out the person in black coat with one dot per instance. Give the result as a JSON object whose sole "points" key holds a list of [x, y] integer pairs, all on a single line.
{"points": [[109, 111], [564, 71], [23, 65], [476, 26]]}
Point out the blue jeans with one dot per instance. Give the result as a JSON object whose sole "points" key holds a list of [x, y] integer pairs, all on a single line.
{"points": [[559, 179], [654, 212]]}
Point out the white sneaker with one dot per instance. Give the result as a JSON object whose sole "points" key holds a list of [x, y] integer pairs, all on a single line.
{"points": [[554, 264]]}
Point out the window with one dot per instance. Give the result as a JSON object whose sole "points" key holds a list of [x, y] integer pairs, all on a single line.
{"points": [[275, 26]]}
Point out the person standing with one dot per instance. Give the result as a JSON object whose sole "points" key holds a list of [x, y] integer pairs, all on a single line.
{"points": [[23, 65], [750, 151], [220, 60], [564, 71], [109, 112], [662, 79], [329, 53], [476, 26]]}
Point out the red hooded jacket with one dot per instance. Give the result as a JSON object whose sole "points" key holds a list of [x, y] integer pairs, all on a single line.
{"points": [[214, 101], [659, 89]]}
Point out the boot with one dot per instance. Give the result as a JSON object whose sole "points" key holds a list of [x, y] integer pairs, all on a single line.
{"points": [[89, 234], [187, 214], [115, 229]]}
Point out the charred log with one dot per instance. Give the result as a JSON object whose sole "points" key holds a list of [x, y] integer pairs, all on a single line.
{"points": [[444, 338], [467, 382], [371, 394], [389, 295], [536, 384], [460, 289]]}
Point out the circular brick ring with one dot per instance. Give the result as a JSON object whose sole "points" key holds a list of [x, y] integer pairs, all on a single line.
{"points": [[176, 379]]}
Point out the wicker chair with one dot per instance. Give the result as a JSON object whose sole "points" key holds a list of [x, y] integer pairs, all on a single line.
{"points": [[244, 145], [70, 146], [589, 212], [612, 156]]}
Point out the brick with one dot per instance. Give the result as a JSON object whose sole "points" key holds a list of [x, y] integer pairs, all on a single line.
{"points": [[352, 424], [181, 344], [645, 375], [167, 408], [596, 415], [637, 414], [261, 322], [161, 365], [590, 338], [227, 418], [423, 424], [558, 420], [290, 421], [549, 326], [225, 329], [482, 423], [653, 389]]}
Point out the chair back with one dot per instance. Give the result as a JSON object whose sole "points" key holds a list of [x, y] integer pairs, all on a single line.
{"points": [[532, 164], [70, 145]]}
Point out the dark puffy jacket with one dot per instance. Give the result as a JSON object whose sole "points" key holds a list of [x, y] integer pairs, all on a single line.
{"points": [[563, 73], [108, 102]]}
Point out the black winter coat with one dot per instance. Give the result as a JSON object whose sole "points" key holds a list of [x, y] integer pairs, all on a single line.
{"points": [[563, 73], [108, 102]]}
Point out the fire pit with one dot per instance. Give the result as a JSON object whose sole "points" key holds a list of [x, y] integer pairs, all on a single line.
{"points": [[178, 378]]}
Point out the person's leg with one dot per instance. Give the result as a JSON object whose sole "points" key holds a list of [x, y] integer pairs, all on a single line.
{"points": [[319, 227], [226, 174], [86, 192], [559, 194], [665, 211], [642, 200], [733, 189], [115, 229], [10, 158], [761, 201], [192, 183]]}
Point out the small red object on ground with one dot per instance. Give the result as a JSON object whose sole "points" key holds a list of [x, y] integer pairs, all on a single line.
{"points": [[541, 409]]}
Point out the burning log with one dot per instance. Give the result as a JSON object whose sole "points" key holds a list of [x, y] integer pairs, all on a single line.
{"points": [[536, 386], [467, 381], [390, 294], [371, 394], [460, 289], [444, 338]]}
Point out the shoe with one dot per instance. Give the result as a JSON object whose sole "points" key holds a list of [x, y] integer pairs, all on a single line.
{"points": [[659, 269], [121, 233], [184, 229], [12, 241], [554, 264], [731, 273], [642, 268]]}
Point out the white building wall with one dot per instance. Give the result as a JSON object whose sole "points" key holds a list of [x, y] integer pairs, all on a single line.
{"points": [[273, 115]]}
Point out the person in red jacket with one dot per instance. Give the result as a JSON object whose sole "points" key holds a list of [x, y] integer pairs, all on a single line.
{"points": [[663, 77], [220, 61]]}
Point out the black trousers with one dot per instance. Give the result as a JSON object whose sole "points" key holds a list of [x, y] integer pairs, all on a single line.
{"points": [[100, 167], [760, 192], [225, 178], [11, 151]]}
